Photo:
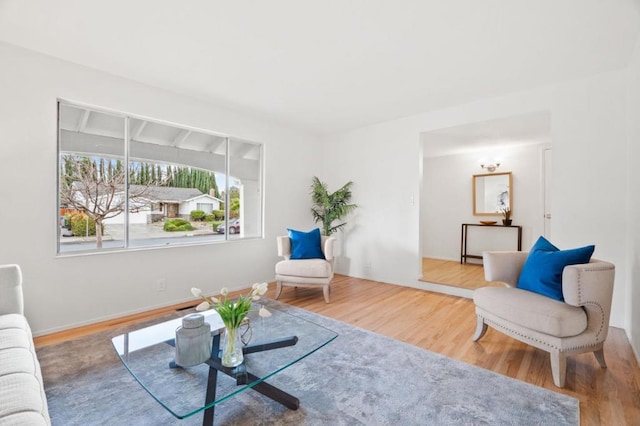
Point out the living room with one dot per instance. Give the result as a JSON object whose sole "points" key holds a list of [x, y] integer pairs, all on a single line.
{"points": [[49, 52]]}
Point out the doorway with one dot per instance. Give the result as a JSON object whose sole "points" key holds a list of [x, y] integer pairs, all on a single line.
{"points": [[450, 157]]}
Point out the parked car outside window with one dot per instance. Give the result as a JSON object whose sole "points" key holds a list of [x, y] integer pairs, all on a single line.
{"points": [[234, 227]]}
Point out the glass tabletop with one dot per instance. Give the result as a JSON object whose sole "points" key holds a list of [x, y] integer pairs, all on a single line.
{"points": [[148, 353]]}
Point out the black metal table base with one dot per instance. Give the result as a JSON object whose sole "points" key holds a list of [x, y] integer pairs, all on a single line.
{"points": [[242, 376]]}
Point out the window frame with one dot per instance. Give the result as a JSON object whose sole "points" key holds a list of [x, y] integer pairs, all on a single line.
{"points": [[258, 216]]}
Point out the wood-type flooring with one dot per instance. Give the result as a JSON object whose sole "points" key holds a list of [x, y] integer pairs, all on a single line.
{"points": [[445, 324]]}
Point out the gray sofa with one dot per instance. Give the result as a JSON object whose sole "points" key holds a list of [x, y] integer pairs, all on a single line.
{"points": [[22, 398]]}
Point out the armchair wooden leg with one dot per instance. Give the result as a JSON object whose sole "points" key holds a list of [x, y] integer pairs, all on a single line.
{"points": [[481, 328], [278, 288], [600, 357], [558, 368], [325, 291]]}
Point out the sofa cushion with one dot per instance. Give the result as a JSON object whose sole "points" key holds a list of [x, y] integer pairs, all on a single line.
{"points": [[312, 268], [306, 245], [23, 418], [16, 360], [542, 271], [22, 393], [22, 398], [531, 310], [14, 332], [14, 321]]}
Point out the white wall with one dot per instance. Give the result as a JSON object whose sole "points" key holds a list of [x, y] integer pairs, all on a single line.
{"points": [[595, 132], [633, 199], [70, 291], [588, 131], [447, 194]]}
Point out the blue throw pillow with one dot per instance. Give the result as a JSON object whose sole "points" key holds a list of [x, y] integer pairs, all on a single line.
{"points": [[542, 271], [305, 245]]}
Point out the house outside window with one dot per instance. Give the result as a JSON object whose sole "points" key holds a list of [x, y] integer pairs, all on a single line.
{"points": [[205, 207], [128, 182]]}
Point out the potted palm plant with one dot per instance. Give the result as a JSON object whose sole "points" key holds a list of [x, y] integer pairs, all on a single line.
{"points": [[330, 207]]}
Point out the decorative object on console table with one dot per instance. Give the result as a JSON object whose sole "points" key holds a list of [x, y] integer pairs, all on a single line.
{"points": [[506, 212], [232, 313], [193, 341]]}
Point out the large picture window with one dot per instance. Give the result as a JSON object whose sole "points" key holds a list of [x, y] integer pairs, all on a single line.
{"points": [[127, 182]]}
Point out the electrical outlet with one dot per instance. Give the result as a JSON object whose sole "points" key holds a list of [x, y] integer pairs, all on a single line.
{"points": [[162, 284]]}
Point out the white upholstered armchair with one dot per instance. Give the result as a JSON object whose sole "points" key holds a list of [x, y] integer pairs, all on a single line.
{"points": [[305, 272], [577, 325]]}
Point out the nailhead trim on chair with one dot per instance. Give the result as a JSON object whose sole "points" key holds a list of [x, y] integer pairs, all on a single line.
{"points": [[580, 288], [592, 269], [499, 326], [590, 302], [601, 322]]}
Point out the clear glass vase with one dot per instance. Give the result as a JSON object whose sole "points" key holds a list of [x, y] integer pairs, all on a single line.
{"points": [[232, 348]]}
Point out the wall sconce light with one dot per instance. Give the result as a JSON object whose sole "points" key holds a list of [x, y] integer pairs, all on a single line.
{"points": [[490, 167]]}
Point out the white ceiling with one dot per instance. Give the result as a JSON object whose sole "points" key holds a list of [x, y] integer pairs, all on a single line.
{"points": [[332, 65], [490, 135]]}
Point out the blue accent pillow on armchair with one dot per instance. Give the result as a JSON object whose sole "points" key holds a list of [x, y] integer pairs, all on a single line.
{"points": [[306, 245], [542, 271]]}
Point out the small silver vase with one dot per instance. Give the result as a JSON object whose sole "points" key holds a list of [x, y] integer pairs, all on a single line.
{"points": [[193, 341]]}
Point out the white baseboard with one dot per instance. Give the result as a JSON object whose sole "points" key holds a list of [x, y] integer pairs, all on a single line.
{"points": [[445, 289], [107, 317]]}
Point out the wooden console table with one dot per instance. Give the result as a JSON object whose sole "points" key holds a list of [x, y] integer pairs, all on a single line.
{"points": [[463, 240]]}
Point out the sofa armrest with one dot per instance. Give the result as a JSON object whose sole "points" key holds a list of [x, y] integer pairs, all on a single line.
{"points": [[327, 247], [588, 283], [503, 266], [284, 247], [11, 299]]}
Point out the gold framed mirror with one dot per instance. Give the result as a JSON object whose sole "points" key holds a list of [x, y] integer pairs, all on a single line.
{"points": [[492, 192]]}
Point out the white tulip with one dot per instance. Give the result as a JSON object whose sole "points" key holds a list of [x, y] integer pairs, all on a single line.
{"points": [[203, 306], [262, 288], [196, 292]]}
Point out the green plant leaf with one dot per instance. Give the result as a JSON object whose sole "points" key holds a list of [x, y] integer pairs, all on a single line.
{"points": [[329, 207]]}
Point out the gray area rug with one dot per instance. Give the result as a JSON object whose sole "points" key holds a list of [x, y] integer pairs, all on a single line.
{"points": [[361, 378]]}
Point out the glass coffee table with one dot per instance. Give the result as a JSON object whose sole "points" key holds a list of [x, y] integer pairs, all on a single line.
{"points": [[277, 342]]}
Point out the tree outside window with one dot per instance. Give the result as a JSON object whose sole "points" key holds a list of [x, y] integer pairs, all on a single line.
{"points": [[121, 178]]}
